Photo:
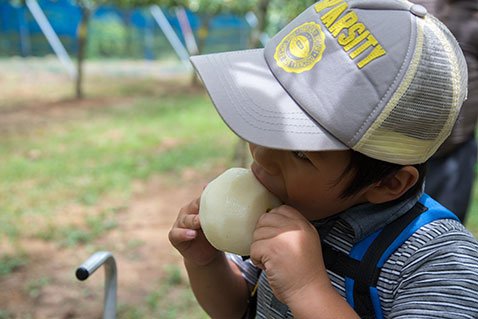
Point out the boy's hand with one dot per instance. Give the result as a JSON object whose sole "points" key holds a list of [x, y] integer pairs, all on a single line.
{"points": [[188, 238], [286, 245]]}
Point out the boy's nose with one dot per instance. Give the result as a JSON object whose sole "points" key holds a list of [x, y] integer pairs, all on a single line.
{"points": [[267, 158]]}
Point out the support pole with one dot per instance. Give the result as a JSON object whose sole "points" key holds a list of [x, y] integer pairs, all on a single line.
{"points": [[186, 30], [52, 38], [168, 31], [111, 279]]}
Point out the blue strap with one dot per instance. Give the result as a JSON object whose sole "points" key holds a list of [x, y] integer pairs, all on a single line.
{"points": [[357, 252], [433, 212]]}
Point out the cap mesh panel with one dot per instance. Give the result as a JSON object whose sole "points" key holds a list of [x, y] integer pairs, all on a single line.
{"points": [[421, 113]]}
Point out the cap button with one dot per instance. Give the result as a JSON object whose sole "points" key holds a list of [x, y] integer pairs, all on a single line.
{"points": [[418, 10]]}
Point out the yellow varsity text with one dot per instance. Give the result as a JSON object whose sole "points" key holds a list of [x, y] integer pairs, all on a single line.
{"points": [[350, 33]]}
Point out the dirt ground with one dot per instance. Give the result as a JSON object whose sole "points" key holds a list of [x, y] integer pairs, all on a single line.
{"points": [[147, 220], [46, 287]]}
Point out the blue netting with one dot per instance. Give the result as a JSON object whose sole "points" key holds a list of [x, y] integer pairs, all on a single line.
{"points": [[114, 32]]}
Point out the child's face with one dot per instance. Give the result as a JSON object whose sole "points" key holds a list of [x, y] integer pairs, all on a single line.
{"points": [[307, 181]]}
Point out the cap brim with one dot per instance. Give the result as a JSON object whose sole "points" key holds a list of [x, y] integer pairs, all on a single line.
{"points": [[255, 106]]}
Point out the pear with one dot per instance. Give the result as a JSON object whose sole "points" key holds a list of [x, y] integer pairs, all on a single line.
{"points": [[229, 208]]}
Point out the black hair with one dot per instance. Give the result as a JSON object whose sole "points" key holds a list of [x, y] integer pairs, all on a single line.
{"points": [[367, 170]]}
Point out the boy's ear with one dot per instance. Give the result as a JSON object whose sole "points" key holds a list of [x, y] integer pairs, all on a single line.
{"points": [[392, 187]]}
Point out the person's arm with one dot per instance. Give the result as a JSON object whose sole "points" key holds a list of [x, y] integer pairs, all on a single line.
{"points": [[219, 287], [216, 282], [320, 302]]}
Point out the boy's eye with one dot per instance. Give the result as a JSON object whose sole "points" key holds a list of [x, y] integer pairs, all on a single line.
{"points": [[300, 155]]}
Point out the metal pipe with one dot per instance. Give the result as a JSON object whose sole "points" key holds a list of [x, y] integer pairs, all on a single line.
{"points": [[52, 37], [188, 33], [173, 39], [90, 266]]}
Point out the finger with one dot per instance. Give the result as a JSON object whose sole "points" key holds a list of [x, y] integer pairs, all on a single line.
{"points": [[186, 215], [287, 211], [192, 207], [190, 221], [272, 219], [195, 204], [257, 255], [177, 236], [283, 217], [257, 263], [265, 232]]}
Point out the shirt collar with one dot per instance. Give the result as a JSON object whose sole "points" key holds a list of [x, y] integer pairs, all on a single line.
{"points": [[367, 218]]}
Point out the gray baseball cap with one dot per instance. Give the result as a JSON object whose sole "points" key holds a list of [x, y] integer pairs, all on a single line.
{"points": [[382, 77]]}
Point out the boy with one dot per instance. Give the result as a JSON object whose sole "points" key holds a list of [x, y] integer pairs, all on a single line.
{"points": [[341, 109]]}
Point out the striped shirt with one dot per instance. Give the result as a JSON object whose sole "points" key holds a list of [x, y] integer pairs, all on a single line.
{"points": [[433, 274]]}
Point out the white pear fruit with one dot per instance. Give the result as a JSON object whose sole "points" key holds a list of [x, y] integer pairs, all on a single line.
{"points": [[229, 209]]}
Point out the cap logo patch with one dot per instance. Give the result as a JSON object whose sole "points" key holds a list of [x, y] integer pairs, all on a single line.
{"points": [[301, 49]]}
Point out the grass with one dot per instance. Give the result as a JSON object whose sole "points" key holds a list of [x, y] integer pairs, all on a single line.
{"points": [[34, 286], [72, 235], [9, 263], [79, 161], [50, 170], [173, 299], [6, 314], [472, 218], [74, 164], [87, 165]]}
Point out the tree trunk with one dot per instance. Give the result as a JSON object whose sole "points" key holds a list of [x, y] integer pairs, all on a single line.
{"points": [[25, 44], [261, 14], [128, 43], [82, 39], [241, 150], [241, 154]]}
